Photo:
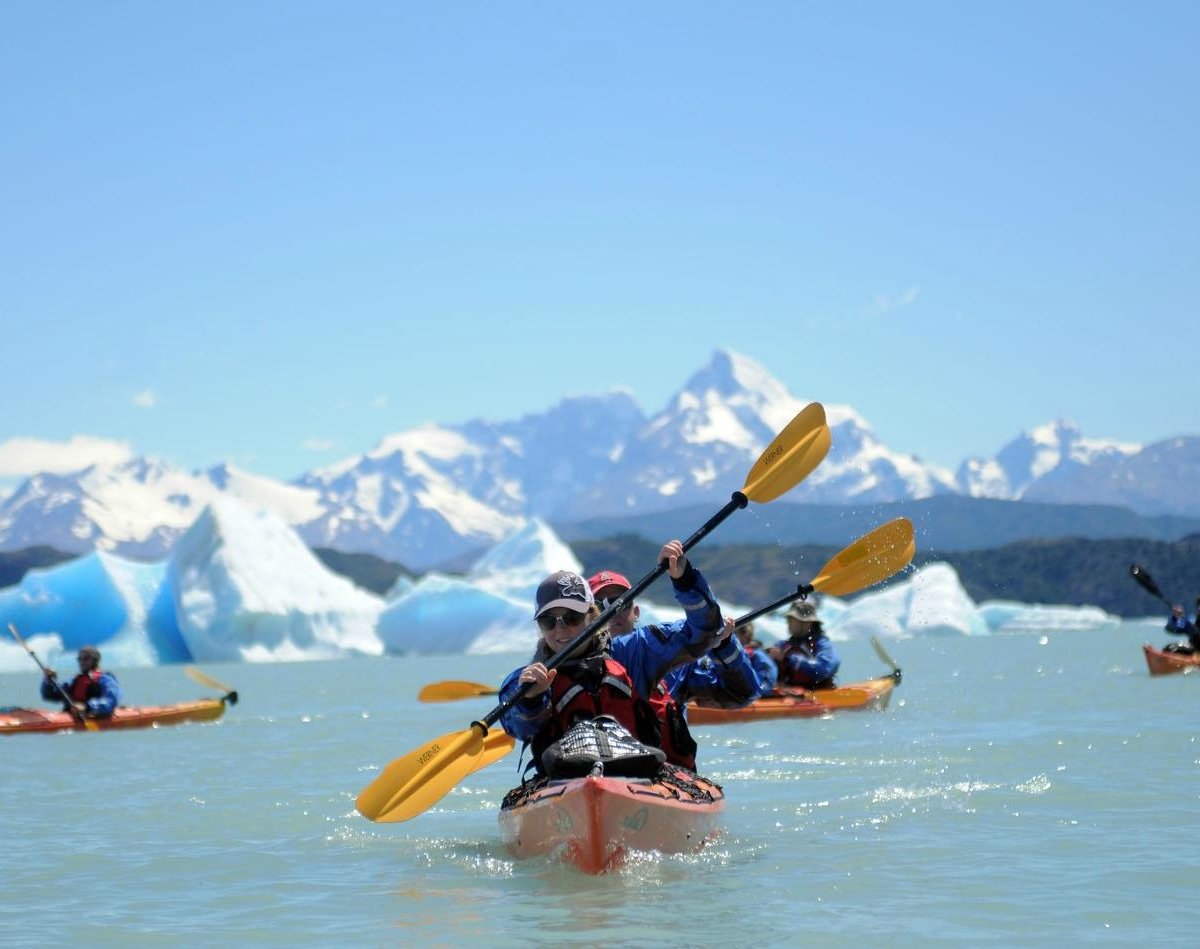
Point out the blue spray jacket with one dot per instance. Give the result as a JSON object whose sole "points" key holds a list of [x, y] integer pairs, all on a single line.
{"points": [[100, 706], [726, 678], [647, 653], [808, 664]]}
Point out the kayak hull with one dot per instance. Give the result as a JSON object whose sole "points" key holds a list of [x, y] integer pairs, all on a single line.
{"points": [[790, 702], [593, 822], [14, 721], [1164, 663]]}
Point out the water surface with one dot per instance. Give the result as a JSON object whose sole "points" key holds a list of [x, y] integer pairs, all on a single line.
{"points": [[1020, 790]]}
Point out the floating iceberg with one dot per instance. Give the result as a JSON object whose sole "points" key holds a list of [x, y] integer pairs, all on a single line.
{"points": [[240, 585]]}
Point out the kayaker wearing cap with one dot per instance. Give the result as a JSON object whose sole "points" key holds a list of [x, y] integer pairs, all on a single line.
{"points": [[724, 677], [1178, 625], [807, 657], [610, 675], [93, 692]]}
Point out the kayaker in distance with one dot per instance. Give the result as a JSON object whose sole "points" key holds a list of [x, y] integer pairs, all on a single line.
{"points": [[807, 657], [1178, 625], [94, 692], [611, 675], [764, 665], [724, 677]]}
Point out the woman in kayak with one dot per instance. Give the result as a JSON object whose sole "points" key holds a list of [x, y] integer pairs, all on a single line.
{"points": [[609, 675], [807, 657], [94, 692]]}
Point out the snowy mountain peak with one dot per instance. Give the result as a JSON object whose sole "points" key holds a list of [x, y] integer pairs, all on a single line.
{"points": [[1050, 451]]}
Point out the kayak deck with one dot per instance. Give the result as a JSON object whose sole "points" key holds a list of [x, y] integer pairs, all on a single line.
{"points": [[792, 702], [593, 822], [21, 720], [1162, 663]]}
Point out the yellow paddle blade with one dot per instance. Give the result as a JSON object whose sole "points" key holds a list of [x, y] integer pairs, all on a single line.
{"points": [[791, 457], [454, 689], [197, 676], [870, 559], [420, 779], [496, 745]]}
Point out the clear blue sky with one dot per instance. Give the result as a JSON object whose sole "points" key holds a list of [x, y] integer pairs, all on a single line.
{"points": [[271, 233]]}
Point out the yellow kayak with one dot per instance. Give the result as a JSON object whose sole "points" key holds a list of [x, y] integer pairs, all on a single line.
{"points": [[790, 702]]}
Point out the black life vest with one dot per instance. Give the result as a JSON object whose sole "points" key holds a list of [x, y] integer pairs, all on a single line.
{"points": [[600, 685]]}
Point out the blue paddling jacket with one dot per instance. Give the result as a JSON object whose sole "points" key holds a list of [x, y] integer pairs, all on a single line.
{"points": [[808, 663], [728, 677], [102, 693]]}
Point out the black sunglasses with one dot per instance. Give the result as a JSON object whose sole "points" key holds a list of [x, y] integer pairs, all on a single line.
{"points": [[547, 621], [610, 600]]}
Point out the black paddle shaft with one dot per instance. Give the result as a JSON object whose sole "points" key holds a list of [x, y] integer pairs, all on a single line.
{"points": [[802, 591], [735, 503], [1148, 584], [61, 691]]}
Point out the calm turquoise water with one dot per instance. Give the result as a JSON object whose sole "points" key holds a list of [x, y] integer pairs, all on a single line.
{"points": [[1017, 792]]}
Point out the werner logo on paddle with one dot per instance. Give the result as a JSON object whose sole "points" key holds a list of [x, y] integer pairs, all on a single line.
{"points": [[427, 756]]}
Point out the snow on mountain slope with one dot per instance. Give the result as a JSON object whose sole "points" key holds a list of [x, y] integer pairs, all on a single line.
{"points": [[426, 495]]}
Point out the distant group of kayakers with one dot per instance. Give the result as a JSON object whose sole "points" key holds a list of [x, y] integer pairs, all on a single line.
{"points": [[643, 676]]}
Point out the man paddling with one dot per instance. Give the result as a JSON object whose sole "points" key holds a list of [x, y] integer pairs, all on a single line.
{"points": [[807, 657], [93, 692], [1178, 625], [725, 677]]}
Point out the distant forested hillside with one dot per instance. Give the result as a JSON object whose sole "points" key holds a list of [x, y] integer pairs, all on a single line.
{"points": [[1069, 572], [14, 564]]}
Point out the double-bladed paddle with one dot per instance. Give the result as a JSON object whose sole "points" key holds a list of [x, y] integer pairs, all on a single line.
{"points": [[869, 560], [83, 719], [414, 783]]}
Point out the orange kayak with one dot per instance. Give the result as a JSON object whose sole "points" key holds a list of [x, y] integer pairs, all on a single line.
{"points": [[1164, 663], [592, 822], [15, 721], [789, 702]]}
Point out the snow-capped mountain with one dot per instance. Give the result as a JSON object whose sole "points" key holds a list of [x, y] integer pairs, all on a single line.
{"points": [[1031, 464], [718, 424], [434, 492], [137, 508], [428, 494]]}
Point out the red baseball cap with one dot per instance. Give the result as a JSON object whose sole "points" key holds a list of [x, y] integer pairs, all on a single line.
{"points": [[606, 578]]}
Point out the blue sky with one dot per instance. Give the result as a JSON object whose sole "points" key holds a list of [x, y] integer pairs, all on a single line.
{"points": [[271, 233]]}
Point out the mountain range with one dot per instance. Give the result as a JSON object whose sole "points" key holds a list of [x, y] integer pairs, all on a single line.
{"points": [[434, 494]]}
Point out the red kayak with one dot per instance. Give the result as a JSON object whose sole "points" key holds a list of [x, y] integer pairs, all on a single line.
{"points": [[1164, 663], [15, 721], [592, 822]]}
